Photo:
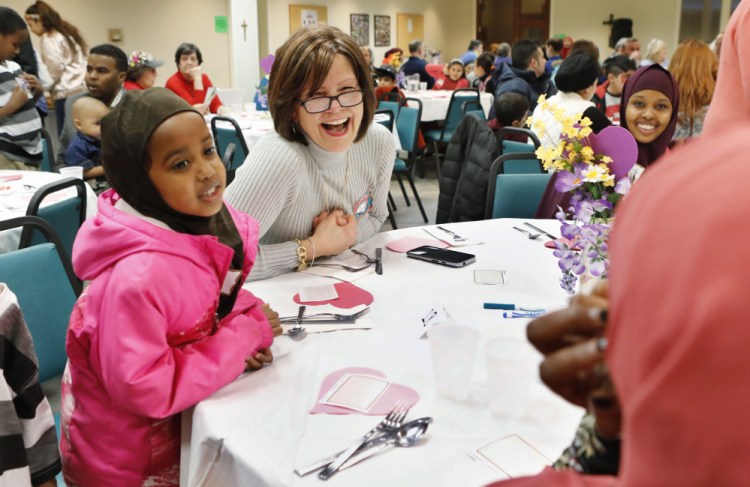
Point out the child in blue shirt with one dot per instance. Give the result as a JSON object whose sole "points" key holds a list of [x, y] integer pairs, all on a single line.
{"points": [[85, 149]]}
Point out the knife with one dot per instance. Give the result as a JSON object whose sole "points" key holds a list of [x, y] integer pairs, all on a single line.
{"points": [[379, 261], [540, 230]]}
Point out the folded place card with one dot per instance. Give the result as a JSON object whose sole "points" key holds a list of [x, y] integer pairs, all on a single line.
{"points": [[489, 276], [346, 391], [405, 244], [349, 296], [323, 293], [511, 455]]}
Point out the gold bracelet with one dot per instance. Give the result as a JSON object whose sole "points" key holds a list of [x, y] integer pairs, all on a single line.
{"points": [[301, 256]]}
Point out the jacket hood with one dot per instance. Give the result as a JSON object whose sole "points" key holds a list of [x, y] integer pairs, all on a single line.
{"points": [[113, 235]]}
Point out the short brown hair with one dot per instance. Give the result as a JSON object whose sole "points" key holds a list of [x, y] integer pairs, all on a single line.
{"points": [[302, 63]]}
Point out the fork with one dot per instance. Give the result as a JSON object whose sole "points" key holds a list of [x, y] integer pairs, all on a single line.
{"points": [[456, 237], [335, 316], [532, 236], [390, 423]]}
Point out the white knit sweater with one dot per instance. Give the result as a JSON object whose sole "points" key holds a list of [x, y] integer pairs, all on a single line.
{"points": [[284, 185]]}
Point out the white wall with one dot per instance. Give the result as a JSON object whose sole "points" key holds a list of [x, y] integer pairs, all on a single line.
{"points": [[156, 26], [449, 25], [582, 19]]}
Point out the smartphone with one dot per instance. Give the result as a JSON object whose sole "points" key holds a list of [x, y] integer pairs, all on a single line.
{"points": [[436, 255]]}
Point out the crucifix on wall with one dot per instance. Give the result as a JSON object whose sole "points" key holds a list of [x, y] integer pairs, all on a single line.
{"points": [[244, 30]]}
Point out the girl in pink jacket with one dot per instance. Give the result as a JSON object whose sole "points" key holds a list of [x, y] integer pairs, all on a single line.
{"points": [[164, 322]]}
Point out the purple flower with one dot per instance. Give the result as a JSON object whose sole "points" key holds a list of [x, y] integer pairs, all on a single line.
{"points": [[623, 186], [568, 181]]}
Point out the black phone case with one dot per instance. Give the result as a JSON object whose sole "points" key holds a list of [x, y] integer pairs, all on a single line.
{"points": [[436, 255]]}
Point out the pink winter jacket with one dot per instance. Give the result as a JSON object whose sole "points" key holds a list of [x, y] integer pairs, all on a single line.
{"points": [[143, 344]]}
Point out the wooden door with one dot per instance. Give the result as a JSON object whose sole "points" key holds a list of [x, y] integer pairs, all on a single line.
{"points": [[512, 20], [409, 27]]}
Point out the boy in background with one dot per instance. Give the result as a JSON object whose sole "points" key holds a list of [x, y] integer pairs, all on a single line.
{"points": [[608, 94], [511, 110], [20, 125]]}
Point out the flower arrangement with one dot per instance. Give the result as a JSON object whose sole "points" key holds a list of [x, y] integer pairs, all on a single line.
{"points": [[261, 90], [594, 168]]}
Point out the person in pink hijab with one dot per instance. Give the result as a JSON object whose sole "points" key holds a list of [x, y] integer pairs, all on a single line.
{"points": [[677, 334], [731, 101]]}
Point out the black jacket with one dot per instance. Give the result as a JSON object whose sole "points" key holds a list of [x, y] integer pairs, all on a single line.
{"points": [[464, 173]]}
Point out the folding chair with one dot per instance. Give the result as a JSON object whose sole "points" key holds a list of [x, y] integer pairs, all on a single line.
{"points": [[65, 216], [514, 195], [224, 135], [452, 119], [474, 108], [407, 126], [518, 163], [48, 151], [508, 146], [393, 106], [42, 278]]}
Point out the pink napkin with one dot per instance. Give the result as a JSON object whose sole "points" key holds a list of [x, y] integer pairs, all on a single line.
{"points": [[405, 244], [551, 243], [384, 404], [350, 296], [11, 177]]}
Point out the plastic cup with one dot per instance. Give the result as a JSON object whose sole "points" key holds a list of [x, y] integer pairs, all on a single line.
{"points": [[72, 172], [453, 350], [423, 86], [511, 366], [412, 85]]}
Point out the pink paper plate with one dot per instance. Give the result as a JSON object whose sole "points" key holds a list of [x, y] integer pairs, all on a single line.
{"points": [[350, 296], [384, 404]]}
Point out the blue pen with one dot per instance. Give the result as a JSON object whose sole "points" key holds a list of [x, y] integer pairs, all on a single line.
{"points": [[499, 306], [526, 314]]}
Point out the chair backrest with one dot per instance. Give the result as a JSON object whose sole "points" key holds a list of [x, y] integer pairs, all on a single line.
{"points": [[515, 195], [42, 278], [227, 131], [518, 163], [385, 118], [456, 107], [65, 216], [407, 125], [48, 153], [393, 106], [508, 146], [474, 108]]}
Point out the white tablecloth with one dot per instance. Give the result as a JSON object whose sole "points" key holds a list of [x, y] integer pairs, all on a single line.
{"points": [[435, 103], [257, 430], [13, 203]]}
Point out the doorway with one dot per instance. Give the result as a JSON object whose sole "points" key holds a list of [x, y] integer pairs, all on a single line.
{"points": [[512, 20]]}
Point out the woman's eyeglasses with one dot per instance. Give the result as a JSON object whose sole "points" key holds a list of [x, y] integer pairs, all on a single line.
{"points": [[322, 103]]}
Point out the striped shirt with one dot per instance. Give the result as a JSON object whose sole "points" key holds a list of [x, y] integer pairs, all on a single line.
{"points": [[28, 443], [21, 131]]}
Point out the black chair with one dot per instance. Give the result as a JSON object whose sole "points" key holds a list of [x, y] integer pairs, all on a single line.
{"points": [[42, 278], [65, 216], [48, 153]]}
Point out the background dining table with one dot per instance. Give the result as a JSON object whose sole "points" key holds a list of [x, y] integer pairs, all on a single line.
{"points": [[435, 103], [256, 430], [15, 199]]}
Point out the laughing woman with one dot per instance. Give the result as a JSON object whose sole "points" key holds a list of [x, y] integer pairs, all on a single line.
{"points": [[319, 184]]}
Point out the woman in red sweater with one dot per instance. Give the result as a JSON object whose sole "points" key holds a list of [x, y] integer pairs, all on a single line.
{"points": [[190, 83]]}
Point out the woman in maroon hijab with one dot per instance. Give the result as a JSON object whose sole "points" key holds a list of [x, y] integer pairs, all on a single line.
{"points": [[648, 109]]}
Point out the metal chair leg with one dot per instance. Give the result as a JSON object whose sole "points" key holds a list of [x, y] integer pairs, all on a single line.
{"points": [[390, 216], [416, 196], [403, 189], [391, 203]]}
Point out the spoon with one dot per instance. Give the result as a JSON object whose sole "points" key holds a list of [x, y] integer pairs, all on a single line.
{"points": [[297, 332], [532, 236], [407, 435]]}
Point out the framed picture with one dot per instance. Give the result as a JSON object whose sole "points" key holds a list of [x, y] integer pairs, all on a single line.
{"points": [[302, 15], [382, 30], [360, 28]]}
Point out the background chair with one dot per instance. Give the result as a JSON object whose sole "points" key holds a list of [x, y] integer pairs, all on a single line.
{"points": [[65, 216], [42, 278], [518, 163], [474, 107], [225, 131], [452, 119], [514, 195], [392, 106], [508, 146], [407, 126], [48, 151]]}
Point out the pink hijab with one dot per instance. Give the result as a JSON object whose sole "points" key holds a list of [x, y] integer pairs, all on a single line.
{"points": [[731, 101], [678, 357]]}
